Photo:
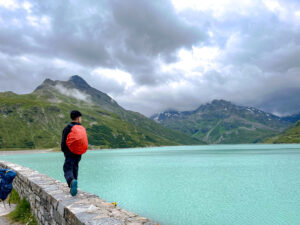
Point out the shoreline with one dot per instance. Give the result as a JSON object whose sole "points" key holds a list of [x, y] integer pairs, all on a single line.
{"points": [[22, 151], [33, 151]]}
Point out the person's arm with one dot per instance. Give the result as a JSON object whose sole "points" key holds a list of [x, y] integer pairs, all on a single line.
{"points": [[65, 133]]}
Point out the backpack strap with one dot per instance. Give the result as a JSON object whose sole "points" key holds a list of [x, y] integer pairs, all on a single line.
{"points": [[7, 171]]}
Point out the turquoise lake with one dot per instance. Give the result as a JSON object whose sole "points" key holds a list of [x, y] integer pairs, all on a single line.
{"points": [[190, 185]]}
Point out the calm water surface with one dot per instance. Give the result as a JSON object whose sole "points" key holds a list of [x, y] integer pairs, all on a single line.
{"points": [[191, 185]]}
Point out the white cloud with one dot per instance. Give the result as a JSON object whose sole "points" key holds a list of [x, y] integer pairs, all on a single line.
{"points": [[115, 76], [9, 4], [75, 93], [217, 7], [42, 23], [194, 62], [284, 13], [60, 63], [273, 5], [27, 6]]}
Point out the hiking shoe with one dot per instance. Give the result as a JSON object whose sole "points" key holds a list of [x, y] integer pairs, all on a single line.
{"points": [[73, 189]]}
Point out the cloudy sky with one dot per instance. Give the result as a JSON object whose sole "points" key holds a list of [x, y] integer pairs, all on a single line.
{"points": [[156, 55]]}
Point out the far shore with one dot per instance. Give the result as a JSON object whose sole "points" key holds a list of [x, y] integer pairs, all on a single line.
{"points": [[25, 151], [15, 151]]}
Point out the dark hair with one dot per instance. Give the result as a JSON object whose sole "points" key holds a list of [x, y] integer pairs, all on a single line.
{"points": [[75, 114]]}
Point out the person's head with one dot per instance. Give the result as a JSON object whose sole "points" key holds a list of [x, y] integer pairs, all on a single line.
{"points": [[75, 116]]}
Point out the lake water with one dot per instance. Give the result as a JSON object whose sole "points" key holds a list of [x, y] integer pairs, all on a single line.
{"points": [[191, 185]]}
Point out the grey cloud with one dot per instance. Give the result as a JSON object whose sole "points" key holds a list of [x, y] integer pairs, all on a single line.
{"points": [[289, 97], [22, 74], [129, 35], [282, 59], [263, 63], [152, 27], [137, 35]]}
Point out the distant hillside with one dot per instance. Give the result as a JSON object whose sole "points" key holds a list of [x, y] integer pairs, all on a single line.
{"points": [[291, 135], [36, 120], [293, 118], [223, 122]]}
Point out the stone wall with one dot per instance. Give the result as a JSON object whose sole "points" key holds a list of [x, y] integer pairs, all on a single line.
{"points": [[51, 202]]}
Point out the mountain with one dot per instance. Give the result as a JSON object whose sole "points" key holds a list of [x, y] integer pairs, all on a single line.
{"points": [[78, 89], [36, 120], [292, 118], [223, 122], [290, 135]]}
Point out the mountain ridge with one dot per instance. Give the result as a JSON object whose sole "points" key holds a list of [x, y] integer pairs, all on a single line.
{"points": [[41, 115], [223, 122]]}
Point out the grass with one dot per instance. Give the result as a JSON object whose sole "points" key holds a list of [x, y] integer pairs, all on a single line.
{"points": [[22, 213], [40, 123], [291, 135], [14, 197]]}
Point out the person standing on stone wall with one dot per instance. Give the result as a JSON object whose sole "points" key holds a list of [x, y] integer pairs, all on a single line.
{"points": [[74, 143]]}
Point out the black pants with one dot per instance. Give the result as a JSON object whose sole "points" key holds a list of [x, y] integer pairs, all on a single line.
{"points": [[71, 166]]}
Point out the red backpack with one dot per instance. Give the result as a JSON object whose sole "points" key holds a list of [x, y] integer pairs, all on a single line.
{"points": [[77, 139]]}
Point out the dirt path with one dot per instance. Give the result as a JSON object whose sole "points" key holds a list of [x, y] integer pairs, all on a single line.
{"points": [[4, 211], [6, 221]]}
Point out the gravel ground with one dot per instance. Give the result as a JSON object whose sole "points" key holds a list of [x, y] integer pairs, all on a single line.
{"points": [[4, 221], [3, 212]]}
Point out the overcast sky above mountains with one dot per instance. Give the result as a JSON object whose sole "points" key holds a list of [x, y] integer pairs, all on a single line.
{"points": [[155, 55]]}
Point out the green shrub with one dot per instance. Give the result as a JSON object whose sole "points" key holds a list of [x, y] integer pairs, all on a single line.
{"points": [[22, 212], [14, 197]]}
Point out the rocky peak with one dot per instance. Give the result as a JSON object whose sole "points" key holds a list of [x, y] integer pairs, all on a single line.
{"points": [[220, 102], [73, 82], [77, 87], [79, 82], [46, 83], [217, 104]]}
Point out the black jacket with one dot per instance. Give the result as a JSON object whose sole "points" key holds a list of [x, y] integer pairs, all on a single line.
{"points": [[65, 133]]}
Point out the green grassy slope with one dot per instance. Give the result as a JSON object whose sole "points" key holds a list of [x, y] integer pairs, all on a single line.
{"points": [[291, 135], [36, 121]]}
